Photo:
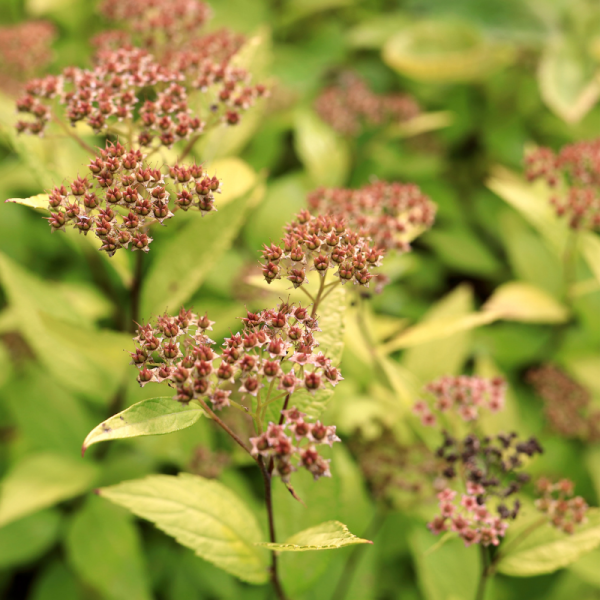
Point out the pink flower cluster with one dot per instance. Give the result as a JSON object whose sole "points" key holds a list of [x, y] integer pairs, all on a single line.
{"points": [[159, 21], [125, 196], [350, 104], [111, 93], [274, 355], [563, 510], [469, 518], [464, 395], [321, 243], [574, 174], [388, 214], [25, 47], [295, 438]]}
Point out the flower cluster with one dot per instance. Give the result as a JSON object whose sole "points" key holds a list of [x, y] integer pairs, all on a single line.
{"points": [[492, 464], [350, 104], [470, 518], [574, 174], [464, 395], [390, 214], [172, 22], [557, 502], [567, 404], [321, 243], [295, 440], [114, 91], [125, 196], [25, 48], [274, 352]]}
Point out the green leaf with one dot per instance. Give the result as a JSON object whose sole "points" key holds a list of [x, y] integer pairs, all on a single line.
{"points": [[532, 202], [84, 360], [547, 549], [42, 480], [200, 514], [450, 572], [323, 152], [187, 257], [27, 539], [326, 536], [104, 549], [520, 301], [568, 79], [442, 51], [56, 581], [154, 416], [443, 356], [39, 202]]}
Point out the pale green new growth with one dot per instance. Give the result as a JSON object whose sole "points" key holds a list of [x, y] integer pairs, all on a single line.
{"points": [[326, 536], [547, 549], [39, 202], [200, 514], [40, 481], [154, 416]]}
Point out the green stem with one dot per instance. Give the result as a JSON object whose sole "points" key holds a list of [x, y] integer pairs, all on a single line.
{"points": [[485, 573], [319, 294], [136, 288]]}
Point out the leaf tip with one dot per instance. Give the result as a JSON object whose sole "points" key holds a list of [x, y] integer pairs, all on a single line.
{"points": [[83, 449]]}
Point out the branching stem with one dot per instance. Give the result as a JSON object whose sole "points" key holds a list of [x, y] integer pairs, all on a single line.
{"points": [[73, 135]]}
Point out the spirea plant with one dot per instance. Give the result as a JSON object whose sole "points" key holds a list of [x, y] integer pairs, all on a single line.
{"points": [[306, 383]]}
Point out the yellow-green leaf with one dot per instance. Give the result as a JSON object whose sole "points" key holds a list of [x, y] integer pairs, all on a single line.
{"points": [[187, 257], [42, 480], [520, 301], [442, 51], [39, 202], [326, 536], [103, 547], [200, 514], [568, 79], [323, 152], [154, 416], [547, 549]]}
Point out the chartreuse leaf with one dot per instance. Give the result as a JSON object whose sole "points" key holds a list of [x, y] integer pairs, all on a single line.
{"points": [[520, 301], [28, 538], [200, 514], [443, 356], [42, 480], [323, 152], [568, 79], [39, 202], [326, 536], [546, 549], [186, 258], [442, 51], [104, 549], [154, 416]]}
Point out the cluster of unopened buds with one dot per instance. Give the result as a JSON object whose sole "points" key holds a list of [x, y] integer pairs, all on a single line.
{"points": [[567, 404], [292, 444], [464, 395], [557, 502], [470, 518], [25, 47], [574, 175], [491, 463], [169, 19], [389, 214], [272, 357], [125, 196], [113, 92], [321, 243], [350, 104]]}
